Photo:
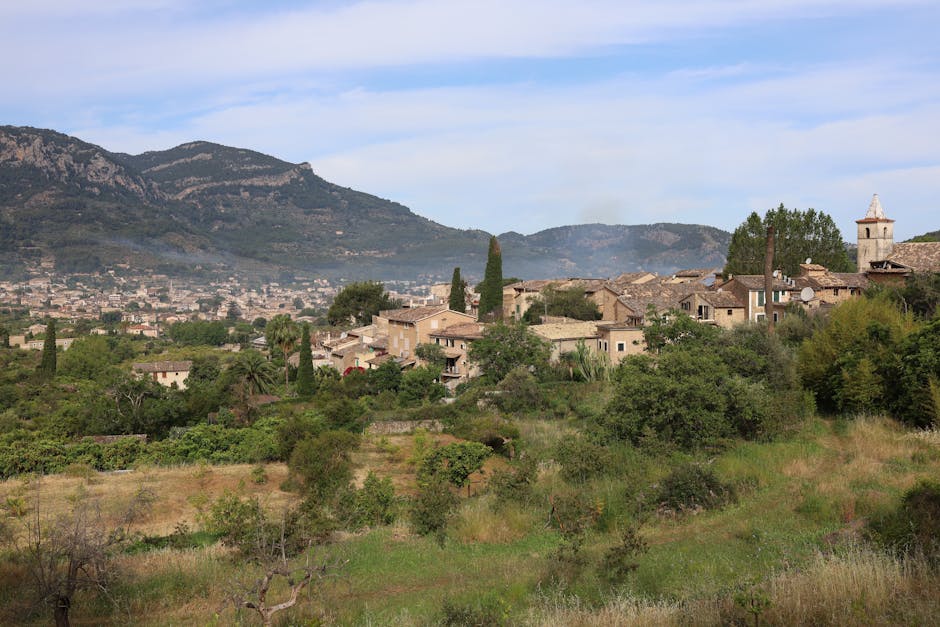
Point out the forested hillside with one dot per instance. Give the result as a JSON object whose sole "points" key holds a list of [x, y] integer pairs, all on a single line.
{"points": [[207, 208]]}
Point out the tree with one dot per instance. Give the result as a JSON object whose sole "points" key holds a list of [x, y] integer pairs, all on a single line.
{"points": [[305, 383], [454, 463], [679, 398], [74, 551], [798, 235], [570, 303], [233, 313], [360, 301], [420, 384], [458, 293], [47, 366], [386, 378], [323, 464], [254, 371], [491, 293], [432, 354], [506, 346], [283, 333]]}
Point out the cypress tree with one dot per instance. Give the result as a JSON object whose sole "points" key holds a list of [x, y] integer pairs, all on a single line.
{"points": [[458, 293], [47, 365], [305, 383], [491, 296]]}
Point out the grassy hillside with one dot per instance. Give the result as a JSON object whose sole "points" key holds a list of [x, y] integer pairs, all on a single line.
{"points": [[794, 537]]}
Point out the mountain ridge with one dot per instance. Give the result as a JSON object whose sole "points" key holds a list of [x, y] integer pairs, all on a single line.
{"points": [[203, 207]]}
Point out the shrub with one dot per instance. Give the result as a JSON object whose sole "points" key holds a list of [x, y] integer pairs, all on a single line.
{"points": [[431, 508], [497, 433], [236, 521], [514, 484], [692, 487], [620, 560], [372, 505], [914, 527], [485, 612], [581, 459], [520, 391]]}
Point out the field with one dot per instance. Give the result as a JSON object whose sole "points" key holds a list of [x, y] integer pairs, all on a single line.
{"points": [[791, 546]]}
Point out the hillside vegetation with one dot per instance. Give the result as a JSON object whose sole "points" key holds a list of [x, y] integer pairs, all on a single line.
{"points": [[725, 477]]}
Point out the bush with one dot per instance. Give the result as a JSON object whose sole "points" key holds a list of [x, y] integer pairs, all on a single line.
{"points": [[914, 527], [497, 433], [370, 506], [620, 560], [431, 508], [520, 392], [692, 487], [486, 612], [581, 459], [516, 482]]}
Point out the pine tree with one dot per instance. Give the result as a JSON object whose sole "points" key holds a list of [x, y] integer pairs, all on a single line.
{"points": [[305, 383], [491, 295], [47, 365], [458, 293]]}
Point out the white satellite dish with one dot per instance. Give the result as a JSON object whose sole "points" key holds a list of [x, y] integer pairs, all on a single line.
{"points": [[808, 261], [807, 294], [776, 273]]}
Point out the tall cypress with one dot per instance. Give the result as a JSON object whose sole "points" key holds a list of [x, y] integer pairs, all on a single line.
{"points": [[458, 293], [305, 383], [47, 365], [491, 296]]}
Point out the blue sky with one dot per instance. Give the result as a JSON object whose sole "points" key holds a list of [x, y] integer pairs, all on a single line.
{"points": [[515, 114]]}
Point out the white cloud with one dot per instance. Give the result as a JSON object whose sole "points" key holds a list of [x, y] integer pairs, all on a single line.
{"points": [[694, 144]]}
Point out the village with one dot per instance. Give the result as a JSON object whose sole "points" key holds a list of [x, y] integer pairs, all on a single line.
{"points": [[623, 306]]}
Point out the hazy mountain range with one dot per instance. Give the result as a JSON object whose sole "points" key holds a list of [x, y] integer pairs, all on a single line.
{"points": [[204, 208]]}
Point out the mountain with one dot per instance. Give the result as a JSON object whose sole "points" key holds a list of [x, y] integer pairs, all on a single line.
{"points": [[207, 209]]}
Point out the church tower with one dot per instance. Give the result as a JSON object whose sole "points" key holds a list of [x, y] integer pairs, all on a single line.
{"points": [[875, 235]]}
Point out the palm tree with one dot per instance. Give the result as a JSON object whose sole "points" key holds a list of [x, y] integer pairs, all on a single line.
{"points": [[256, 372], [282, 332]]}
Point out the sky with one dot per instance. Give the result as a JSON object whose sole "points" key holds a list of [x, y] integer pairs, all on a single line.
{"points": [[515, 115]]}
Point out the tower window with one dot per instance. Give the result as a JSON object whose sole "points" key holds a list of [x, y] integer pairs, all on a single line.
{"points": [[867, 232]]}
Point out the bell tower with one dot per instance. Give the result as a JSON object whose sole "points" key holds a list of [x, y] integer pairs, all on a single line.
{"points": [[875, 235]]}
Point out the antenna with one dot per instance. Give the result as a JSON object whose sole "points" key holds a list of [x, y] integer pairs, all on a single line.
{"points": [[808, 261], [807, 294]]}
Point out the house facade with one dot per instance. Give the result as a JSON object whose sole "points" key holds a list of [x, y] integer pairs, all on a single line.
{"points": [[166, 373], [719, 307], [409, 327], [455, 341]]}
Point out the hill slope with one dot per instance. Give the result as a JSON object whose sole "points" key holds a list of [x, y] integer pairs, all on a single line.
{"points": [[203, 207]]}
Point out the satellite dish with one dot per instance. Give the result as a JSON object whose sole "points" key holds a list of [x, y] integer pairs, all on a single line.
{"points": [[776, 273], [807, 294], [808, 261]]}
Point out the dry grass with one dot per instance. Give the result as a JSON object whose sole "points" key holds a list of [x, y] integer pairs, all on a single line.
{"points": [[476, 522], [861, 587], [177, 491], [394, 456]]}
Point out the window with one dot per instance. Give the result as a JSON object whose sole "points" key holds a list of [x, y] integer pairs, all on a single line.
{"points": [[867, 232], [730, 312], [760, 298], [605, 346], [437, 341], [835, 291], [686, 306], [164, 374], [621, 346], [776, 318], [776, 296]]}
